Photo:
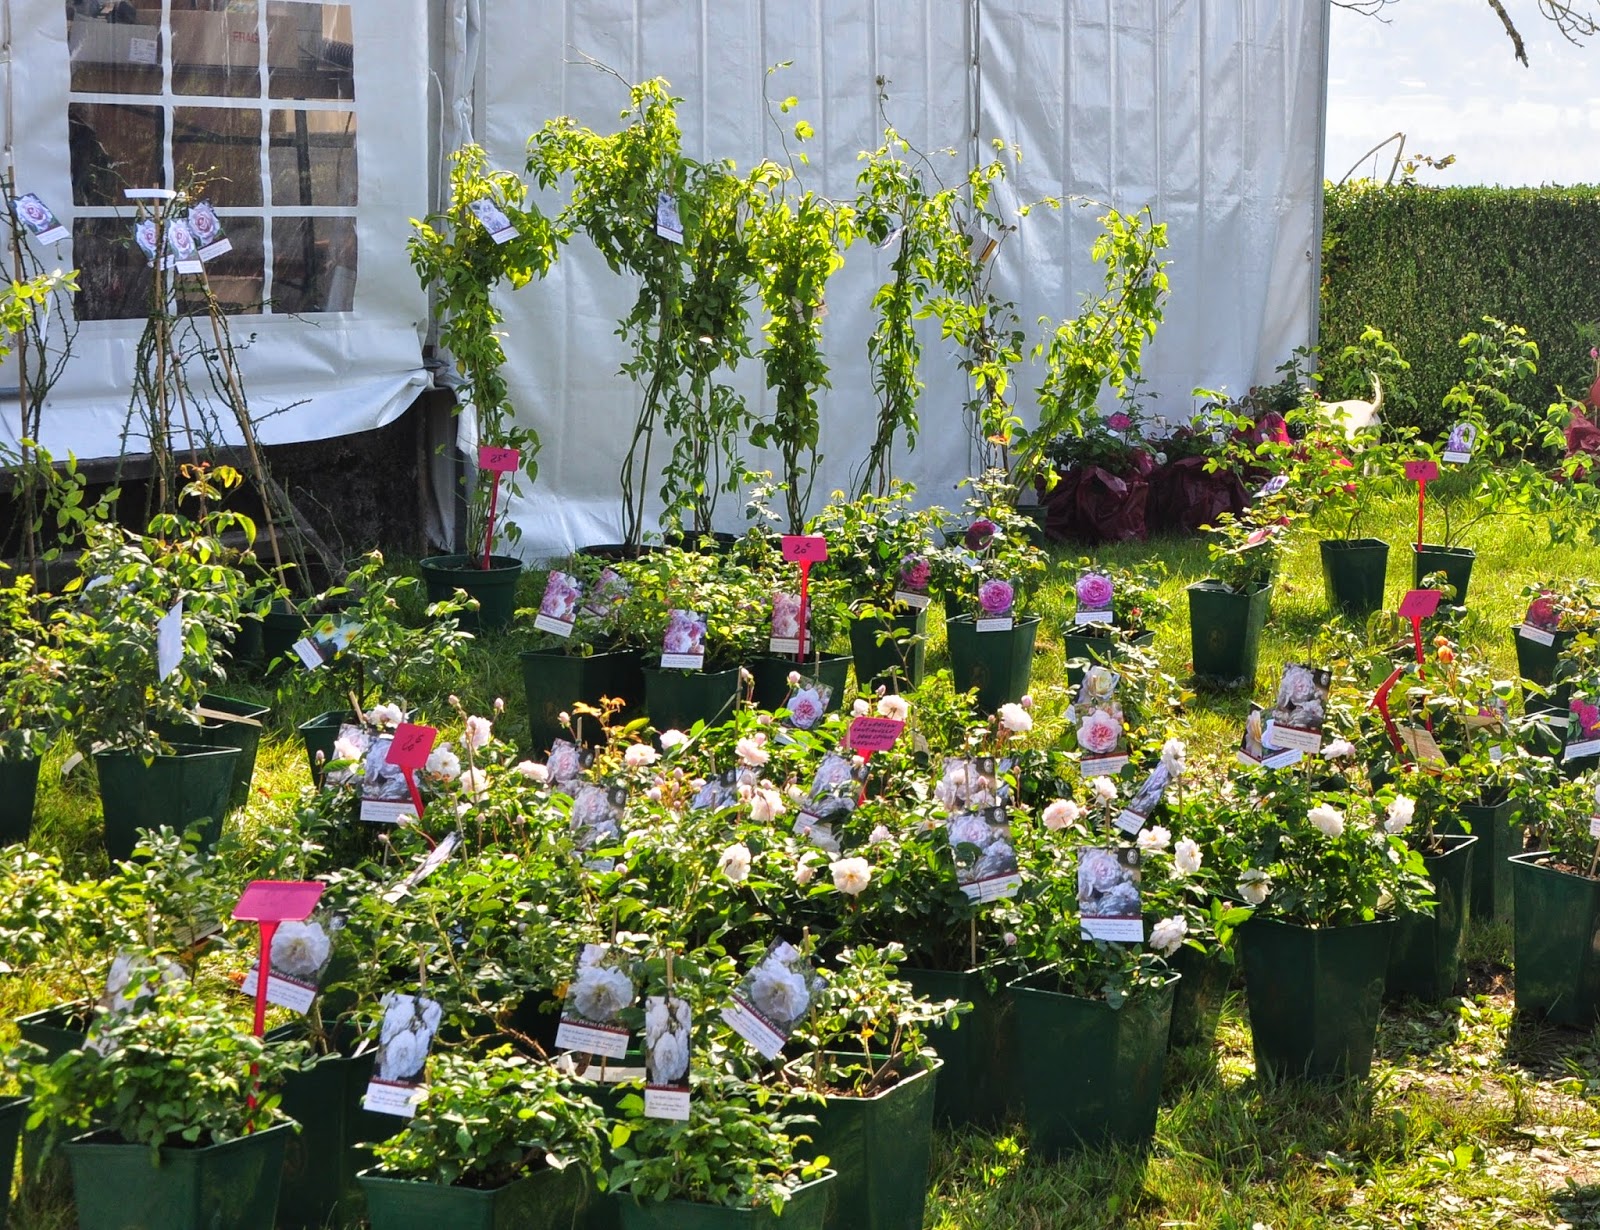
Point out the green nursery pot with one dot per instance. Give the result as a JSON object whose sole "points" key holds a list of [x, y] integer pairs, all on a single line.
{"points": [[1556, 942], [1198, 998], [906, 657], [1500, 835], [1353, 571], [552, 681], [804, 1210], [998, 664], [219, 732], [547, 1199], [13, 1112], [232, 1186], [974, 1087], [281, 627], [1454, 562], [320, 733], [1314, 995], [772, 677], [880, 1148], [1225, 633], [1102, 650], [19, 788], [495, 587], [676, 700], [1089, 1075], [55, 1030], [1425, 959], [190, 786], [1536, 663]]}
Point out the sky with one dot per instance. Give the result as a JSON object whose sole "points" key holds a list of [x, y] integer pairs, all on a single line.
{"points": [[1443, 72]]}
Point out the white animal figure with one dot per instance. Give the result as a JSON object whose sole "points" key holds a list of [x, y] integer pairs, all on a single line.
{"points": [[1356, 414]]}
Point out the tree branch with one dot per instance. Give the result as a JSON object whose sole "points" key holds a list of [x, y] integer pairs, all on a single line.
{"points": [[1518, 49]]}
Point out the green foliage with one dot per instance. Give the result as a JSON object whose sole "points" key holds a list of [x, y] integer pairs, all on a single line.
{"points": [[1425, 264], [486, 1121]]}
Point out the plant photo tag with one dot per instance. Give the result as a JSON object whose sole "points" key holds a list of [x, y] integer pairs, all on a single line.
{"points": [[668, 224], [772, 999], [329, 637], [1594, 825], [1300, 710], [1458, 446], [785, 638], [493, 218], [1143, 805], [719, 792], [1272, 486], [596, 817], [431, 862], [210, 241], [811, 829], [169, 640], [1583, 729], [683, 644], [385, 793], [38, 218], [667, 1030], [404, 1038], [1254, 749], [1101, 734], [997, 602], [986, 858], [298, 959], [1541, 622], [558, 608], [804, 548], [601, 987], [605, 595], [972, 784], [1108, 895], [181, 251], [1094, 593], [808, 703], [911, 588]]}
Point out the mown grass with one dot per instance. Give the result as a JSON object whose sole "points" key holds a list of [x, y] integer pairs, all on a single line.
{"points": [[1472, 1117]]}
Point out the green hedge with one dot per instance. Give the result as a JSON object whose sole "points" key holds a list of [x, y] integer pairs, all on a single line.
{"points": [[1426, 264]]}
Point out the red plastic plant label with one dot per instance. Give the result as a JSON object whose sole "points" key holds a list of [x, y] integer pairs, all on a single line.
{"points": [[1422, 471], [805, 548], [278, 900], [411, 746], [874, 734], [498, 460], [1419, 603]]}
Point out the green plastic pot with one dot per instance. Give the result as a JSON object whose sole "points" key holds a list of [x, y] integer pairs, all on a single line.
{"points": [[1103, 649], [974, 1087], [676, 700], [1198, 998], [1425, 958], [219, 732], [319, 734], [281, 627], [998, 664], [1536, 663], [1353, 571], [547, 1199], [320, 1161], [19, 788], [804, 1210], [1500, 835], [772, 677], [232, 1186], [880, 1148], [1225, 633], [495, 587], [1314, 995], [191, 786], [56, 1030], [13, 1111], [1556, 942], [553, 680], [905, 658], [1454, 562], [1089, 1075]]}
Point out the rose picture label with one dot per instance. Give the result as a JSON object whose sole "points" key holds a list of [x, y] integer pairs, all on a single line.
{"points": [[683, 644], [772, 999], [299, 957], [1300, 710], [1142, 806], [169, 640], [558, 607], [1109, 906], [997, 601], [1094, 592], [601, 988], [405, 1036], [667, 1030]]}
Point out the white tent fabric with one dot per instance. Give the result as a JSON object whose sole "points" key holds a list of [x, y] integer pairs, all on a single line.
{"points": [[307, 378], [1210, 112]]}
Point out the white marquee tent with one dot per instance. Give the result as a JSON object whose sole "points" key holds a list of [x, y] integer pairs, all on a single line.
{"points": [[334, 120]]}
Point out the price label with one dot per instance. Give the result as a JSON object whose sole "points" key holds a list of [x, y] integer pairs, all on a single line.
{"points": [[410, 747], [498, 460], [805, 548], [874, 734], [1422, 471], [1419, 603]]}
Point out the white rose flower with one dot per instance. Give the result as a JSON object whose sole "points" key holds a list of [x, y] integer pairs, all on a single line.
{"points": [[1186, 857], [300, 949], [1166, 937], [735, 862], [1399, 814], [859, 709], [1254, 885], [385, 715], [1328, 819], [1173, 756], [1015, 718], [766, 806], [779, 993], [442, 762], [893, 707], [1154, 839], [600, 992], [475, 783], [1339, 749], [532, 771], [639, 755], [671, 739], [804, 872], [879, 835], [1060, 814], [478, 733], [751, 752], [1104, 789], [851, 875]]}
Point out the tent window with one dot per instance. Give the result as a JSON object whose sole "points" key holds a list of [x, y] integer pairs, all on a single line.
{"points": [[166, 95]]}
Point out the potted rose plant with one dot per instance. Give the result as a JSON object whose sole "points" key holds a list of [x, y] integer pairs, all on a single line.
{"points": [[1228, 609], [1113, 608], [1558, 905]]}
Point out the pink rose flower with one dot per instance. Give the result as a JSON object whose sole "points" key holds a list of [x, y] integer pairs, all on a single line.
{"points": [[1094, 591], [1099, 732], [1119, 422], [996, 597], [915, 572], [981, 533]]}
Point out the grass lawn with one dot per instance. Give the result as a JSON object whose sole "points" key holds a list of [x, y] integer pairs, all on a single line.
{"points": [[1472, 1118]]}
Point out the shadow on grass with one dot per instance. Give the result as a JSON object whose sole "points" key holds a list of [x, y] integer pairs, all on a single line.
{"points": [[1550, 1052], [1415, 1033], [1578, 1204]]}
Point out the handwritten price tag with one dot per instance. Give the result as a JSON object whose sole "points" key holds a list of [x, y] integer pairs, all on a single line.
{"points": [[1419, 604], [804, 548], [411, 746], [498, 460], [1422, 471], [874, 734]]}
